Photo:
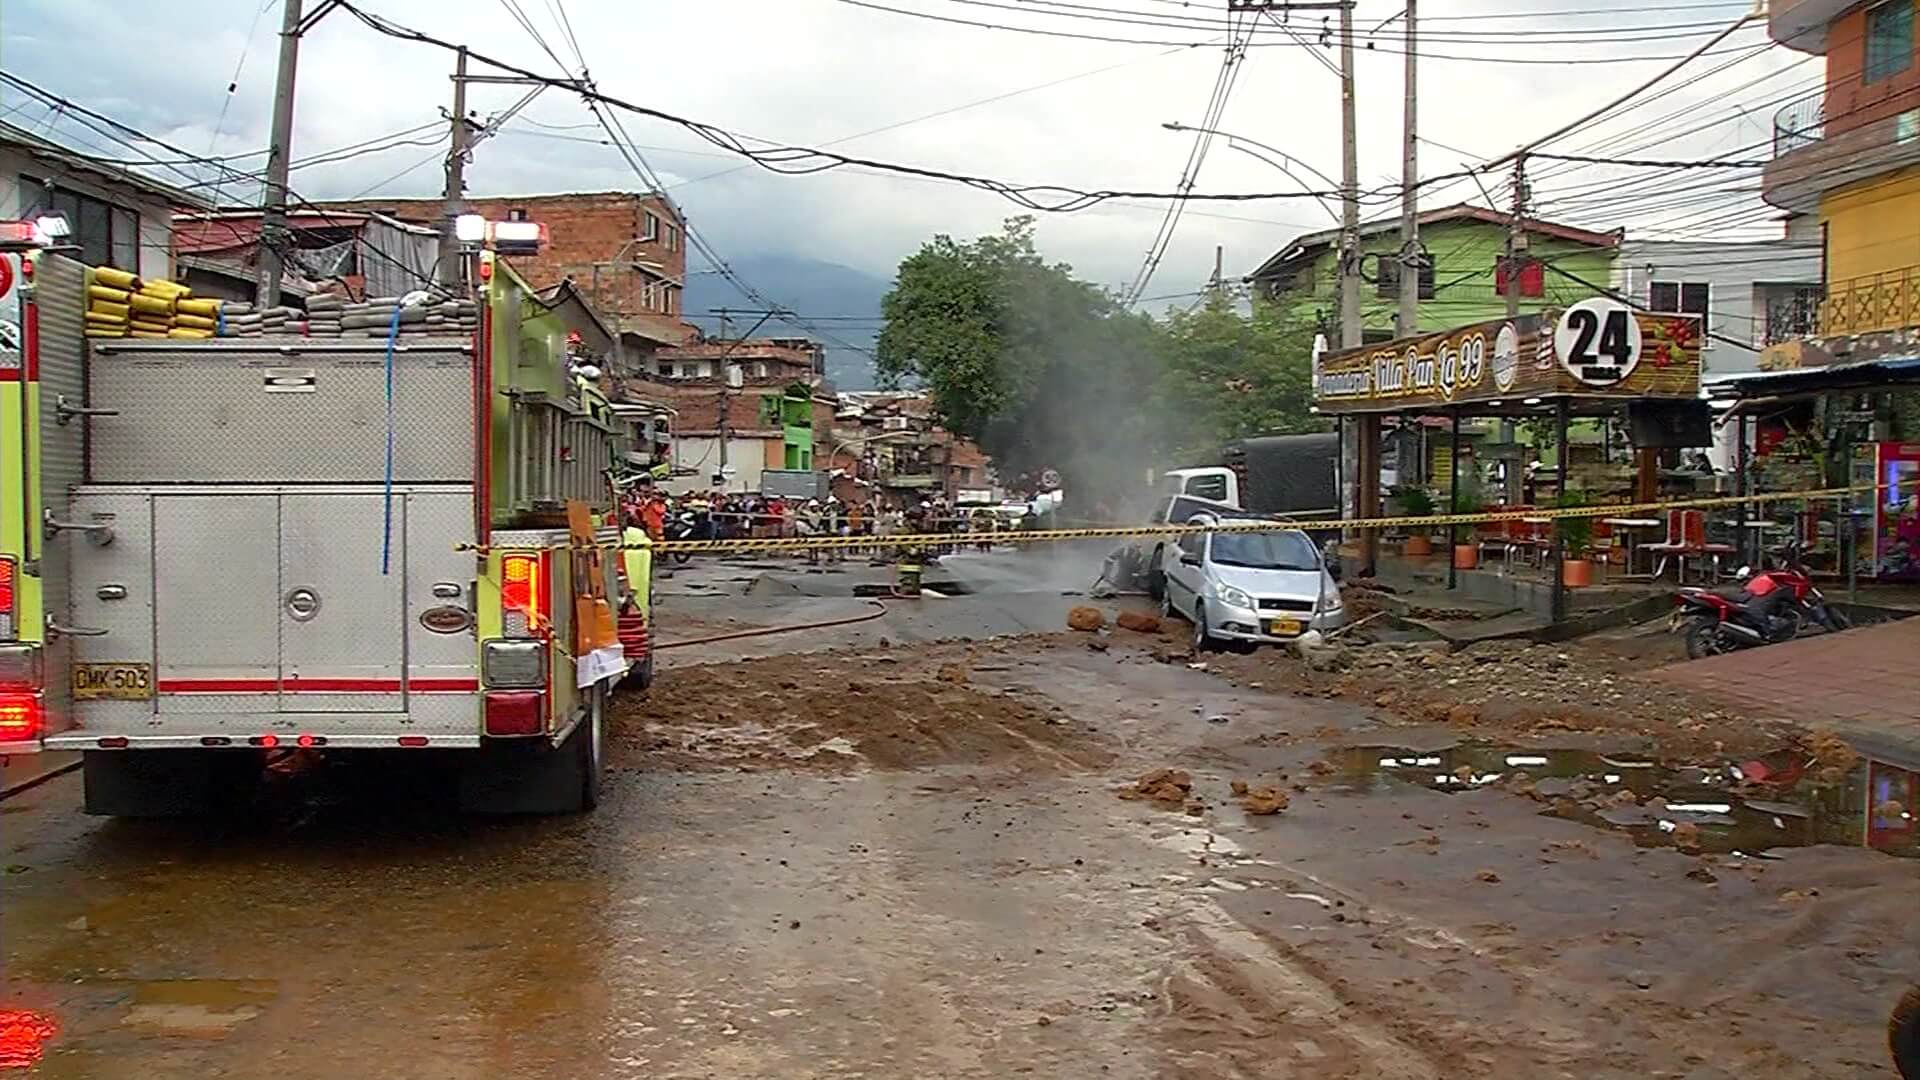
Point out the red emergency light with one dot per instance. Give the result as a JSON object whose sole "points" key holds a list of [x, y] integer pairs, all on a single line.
{"points": [[9, 596], [21, 717]]}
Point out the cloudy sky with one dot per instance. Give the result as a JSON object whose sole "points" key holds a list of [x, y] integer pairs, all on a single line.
{"points": [[1073, 112]]}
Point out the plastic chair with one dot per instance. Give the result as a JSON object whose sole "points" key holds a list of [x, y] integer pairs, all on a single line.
{"points": [[1674, 545], [1693, 524]]}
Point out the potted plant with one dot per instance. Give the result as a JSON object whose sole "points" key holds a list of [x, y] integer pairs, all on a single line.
{"points": [[1576, 539], [1411, 500], [1468, 498]]}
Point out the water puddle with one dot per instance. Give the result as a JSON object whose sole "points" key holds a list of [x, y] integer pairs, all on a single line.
{"points": [[1769, 802], [198, 1008]]}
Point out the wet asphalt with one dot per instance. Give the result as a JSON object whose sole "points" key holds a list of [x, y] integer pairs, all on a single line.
{"points": [[1006, 918]]}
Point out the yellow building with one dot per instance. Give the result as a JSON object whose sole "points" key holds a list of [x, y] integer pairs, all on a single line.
{"points": [[1851, 155]]}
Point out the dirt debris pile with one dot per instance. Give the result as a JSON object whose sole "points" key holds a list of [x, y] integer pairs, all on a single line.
{"points": [[1166, 787], [1264, 801], [837, 712], [1508, 689], [1086, 619]]}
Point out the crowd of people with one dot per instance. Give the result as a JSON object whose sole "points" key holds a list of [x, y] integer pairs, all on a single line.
{"points": [[720, 516]]}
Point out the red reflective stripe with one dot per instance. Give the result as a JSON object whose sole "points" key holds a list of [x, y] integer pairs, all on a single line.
{"points": [[9, 374], [317, 686], [30, 340]]}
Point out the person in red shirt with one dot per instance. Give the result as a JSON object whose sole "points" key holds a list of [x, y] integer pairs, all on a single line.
{"points": [[653, 516]]}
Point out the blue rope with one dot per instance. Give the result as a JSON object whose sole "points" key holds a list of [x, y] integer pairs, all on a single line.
{"points": [[386, 525]]}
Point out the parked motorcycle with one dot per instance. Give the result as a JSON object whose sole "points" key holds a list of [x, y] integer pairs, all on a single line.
{"points": [[1772, 606], [688, 525]]}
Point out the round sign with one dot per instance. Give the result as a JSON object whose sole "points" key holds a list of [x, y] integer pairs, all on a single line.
{"points": [[1050, 479], [1506, 358], [1598, 341], [6, 275]]}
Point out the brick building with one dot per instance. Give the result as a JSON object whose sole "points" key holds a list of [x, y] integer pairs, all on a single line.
{"points": [[784, 359], [625, 250]]}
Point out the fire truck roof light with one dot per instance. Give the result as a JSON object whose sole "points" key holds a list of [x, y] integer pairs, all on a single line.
{"points": [[17, 232], [470, 228], [53, 226]]}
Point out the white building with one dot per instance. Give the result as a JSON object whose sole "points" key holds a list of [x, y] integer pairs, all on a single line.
{"points": [[119, 218], [1750, 294]]}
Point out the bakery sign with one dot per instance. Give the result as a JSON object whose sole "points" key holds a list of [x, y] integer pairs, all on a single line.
{"points": [[1596, 348]]}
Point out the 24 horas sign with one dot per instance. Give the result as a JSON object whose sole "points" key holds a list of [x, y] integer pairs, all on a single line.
{"points": [[1598, 348]]}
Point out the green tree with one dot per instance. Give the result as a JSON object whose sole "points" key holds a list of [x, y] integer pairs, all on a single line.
{"points": [[1043, 370], [1231, 375]]}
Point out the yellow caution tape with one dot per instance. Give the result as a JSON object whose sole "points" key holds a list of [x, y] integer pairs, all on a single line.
{"points": [[1121, 532]]}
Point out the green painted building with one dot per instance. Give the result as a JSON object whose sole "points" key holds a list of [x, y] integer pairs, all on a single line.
{"points": [[1462, 282], [792, 413]]}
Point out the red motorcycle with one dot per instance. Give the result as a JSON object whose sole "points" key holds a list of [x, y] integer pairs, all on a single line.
{"points": [[1772, 606]]}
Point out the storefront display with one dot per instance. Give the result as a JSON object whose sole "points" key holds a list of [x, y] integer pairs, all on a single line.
{"points": [[1896, 511]]}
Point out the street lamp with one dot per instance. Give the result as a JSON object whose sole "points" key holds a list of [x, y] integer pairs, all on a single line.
{"points": [[1285, 160]]}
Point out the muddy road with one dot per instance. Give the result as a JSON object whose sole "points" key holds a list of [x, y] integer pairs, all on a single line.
{"points": [[913, 859]]}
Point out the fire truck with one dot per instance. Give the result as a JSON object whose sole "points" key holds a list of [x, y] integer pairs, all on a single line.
{"points": [[219, 553]]}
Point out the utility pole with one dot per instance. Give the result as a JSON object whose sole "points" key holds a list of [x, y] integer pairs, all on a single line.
{"points": [[1410, 262], [273, 209], [1516, 236], [1367, 451], [447, 264], [1218, 284], [1350, 336]]}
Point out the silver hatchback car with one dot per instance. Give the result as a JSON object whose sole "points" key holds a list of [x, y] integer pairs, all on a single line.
{"points": [[1249, 586]]}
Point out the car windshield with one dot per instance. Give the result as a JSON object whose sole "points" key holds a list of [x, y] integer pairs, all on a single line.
{"points": [[1264, 551]]}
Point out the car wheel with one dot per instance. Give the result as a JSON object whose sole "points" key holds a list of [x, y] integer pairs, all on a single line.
{"points": [[1203, 639]]}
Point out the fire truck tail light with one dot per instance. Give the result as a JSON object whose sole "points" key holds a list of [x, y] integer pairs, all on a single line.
{"points": [[307, 739], [519, 582], [412, 740], [515, 712], [9, 597], [268, 741], [21, 717]]}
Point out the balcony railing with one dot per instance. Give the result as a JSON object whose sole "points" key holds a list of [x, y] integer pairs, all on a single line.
{"points": [[1886, 301], [1800, 123], [1792, 314]]}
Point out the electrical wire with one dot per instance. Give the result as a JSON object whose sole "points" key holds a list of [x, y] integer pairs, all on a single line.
{"points": [[133, 138], [233, 84], [1223, 83], [1424, 55], [802, 160], [1364, 39]]}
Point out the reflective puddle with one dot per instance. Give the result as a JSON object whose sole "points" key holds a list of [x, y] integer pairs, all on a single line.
{"points": [[1784, 799]]}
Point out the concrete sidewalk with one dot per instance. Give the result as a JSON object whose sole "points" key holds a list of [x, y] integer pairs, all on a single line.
{"points": [[1864, 684]]}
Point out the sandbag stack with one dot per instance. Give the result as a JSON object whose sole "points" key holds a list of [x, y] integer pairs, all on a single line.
{"points": [[109, 313], [238, 320], [274, 320], [324, 313], [195, 318]]}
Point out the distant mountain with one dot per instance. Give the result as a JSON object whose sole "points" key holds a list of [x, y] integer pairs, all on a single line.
{"points": [[841, 303]]}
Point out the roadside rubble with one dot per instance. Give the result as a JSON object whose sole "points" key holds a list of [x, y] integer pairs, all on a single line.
{"points": [[1510, 688]]}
